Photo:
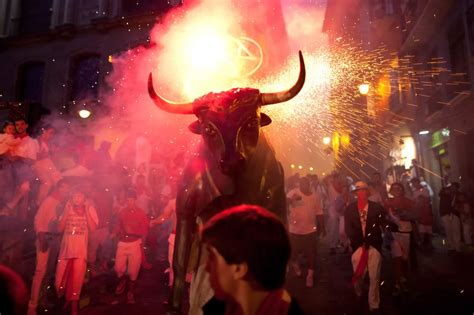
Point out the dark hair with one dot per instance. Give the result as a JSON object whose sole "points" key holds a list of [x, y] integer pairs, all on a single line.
{"points": [[8, 123], [20, 118], [13, 292], [255, 236], [398, 185]]}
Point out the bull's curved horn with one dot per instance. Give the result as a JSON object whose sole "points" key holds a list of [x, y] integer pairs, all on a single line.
{"points": [[167, 106], [279, 97]]}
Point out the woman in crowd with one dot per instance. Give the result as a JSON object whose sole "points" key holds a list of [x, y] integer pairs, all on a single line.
{"points": [[78, 220]]}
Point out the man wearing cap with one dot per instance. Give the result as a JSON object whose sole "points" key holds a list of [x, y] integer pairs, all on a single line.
{"points": [[132, 226], [363, 219]]}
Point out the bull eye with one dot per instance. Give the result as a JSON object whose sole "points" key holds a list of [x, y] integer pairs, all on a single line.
{"points": [[209, 131], [252, 124]]}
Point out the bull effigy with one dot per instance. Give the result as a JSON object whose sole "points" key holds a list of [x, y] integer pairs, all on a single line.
{"points": [[236, 164]]}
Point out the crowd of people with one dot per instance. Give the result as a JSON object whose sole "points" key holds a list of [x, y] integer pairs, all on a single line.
{"points": [[89, 214], [365, 218], [95, 217]]}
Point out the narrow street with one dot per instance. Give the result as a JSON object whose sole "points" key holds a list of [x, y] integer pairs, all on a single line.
{"points": [[443, 285]]}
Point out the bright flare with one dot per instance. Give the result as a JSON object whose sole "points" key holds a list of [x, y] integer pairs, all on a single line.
{"points": [[364, 88], [84, 113]]}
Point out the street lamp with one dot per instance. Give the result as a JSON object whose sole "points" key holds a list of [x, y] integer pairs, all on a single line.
{"points": [[84, 113], [364, 88]]}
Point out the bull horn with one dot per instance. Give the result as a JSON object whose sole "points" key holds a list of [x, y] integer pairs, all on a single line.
{"points": [[279, 97], [167, 106]]}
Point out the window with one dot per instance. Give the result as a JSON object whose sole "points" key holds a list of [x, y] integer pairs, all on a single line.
{"points": [[148, 6], [35, 16], [30, 84], [85, 76]]}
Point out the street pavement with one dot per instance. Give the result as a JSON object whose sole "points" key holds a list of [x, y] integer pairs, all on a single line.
{"points": [[443, 284]]}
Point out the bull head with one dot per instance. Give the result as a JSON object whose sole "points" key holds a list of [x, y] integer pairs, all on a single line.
{"points": [[230, 121]]}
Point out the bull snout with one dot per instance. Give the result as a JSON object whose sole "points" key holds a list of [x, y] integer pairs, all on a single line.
{"points": [[232, 165]]}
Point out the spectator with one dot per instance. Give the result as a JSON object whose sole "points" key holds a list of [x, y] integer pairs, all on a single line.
{"points": [[78, 220], [335, 185], [48, 239], [364, 220], [320, 193], [44, 167], [132, 227], [450, 218], [11, 228], [100, 243], [374, 194], [248, 250], [13, 292], [8, 142], [342, 201], [379, 186], [24, 155], [421, 197], [464, 209], [169, 213], [304, 205], [400, 210]]}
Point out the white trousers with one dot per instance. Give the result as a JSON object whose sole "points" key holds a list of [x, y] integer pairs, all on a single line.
{"points": [[452, 227], [374, 265], [72, 284], [42, 259], [128, 259]]}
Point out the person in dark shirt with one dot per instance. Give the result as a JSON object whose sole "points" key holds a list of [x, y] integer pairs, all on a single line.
{"points": [[248, 251], [363, 222]]}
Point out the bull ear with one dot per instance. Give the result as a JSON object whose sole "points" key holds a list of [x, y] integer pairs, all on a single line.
{"points": [[265, 120], [195, 127]]}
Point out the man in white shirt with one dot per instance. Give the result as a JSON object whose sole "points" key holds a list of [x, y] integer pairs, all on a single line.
{"points": [[24, 156], [48, 239], [304, 206]]}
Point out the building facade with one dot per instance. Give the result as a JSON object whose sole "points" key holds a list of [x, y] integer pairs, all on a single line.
{"points": [[429, 100], [58, 52]]}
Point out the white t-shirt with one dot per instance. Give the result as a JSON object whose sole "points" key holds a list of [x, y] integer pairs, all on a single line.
{"points": [[28, 148], [8, 142], [76, 234], [302, 216]]}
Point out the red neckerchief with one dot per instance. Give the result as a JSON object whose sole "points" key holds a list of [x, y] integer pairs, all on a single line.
{"points": [[360, 269]]}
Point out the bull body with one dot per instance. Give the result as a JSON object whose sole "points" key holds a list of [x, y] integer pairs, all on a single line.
{"points": [[235, 165]]}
